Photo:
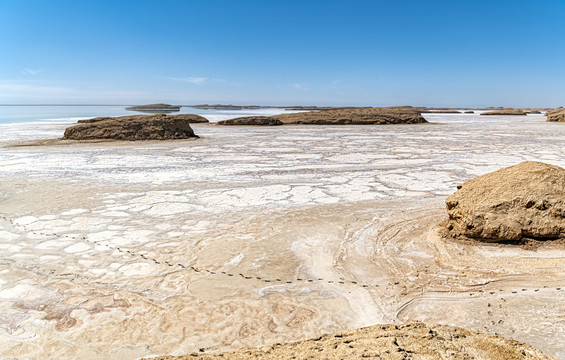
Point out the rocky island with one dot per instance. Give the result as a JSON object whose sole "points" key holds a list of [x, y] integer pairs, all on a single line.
{"points": [[154, 108], [505, 112], [349, 116], [137, 127], [515, 204]]}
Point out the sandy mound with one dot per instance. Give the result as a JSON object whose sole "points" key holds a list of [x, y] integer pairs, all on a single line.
{"points": [[408, 341], [505, 112], [357, 116], [252, 120], [556, 115], [138, 127], [525, 201]]}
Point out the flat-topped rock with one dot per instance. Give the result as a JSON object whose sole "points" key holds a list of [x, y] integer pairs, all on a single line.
{"points": [[406, 341], [140, 127], [505, 112], [525, 201], [469, 112], [355, 116], [252, 120], [154, 107], [191, 118]]}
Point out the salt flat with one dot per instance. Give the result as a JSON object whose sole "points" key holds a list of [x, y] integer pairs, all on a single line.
{"points": [[250, 236]]}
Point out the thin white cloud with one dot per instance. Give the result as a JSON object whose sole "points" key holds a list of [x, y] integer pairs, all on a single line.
{"points": [[32, 72], [300, 87], [196, 80]]}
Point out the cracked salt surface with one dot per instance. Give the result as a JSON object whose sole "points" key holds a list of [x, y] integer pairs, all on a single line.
{"points": [[103, 223]]}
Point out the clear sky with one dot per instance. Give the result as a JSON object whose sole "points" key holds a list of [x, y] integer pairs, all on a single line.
{"points": [[355, 52]]}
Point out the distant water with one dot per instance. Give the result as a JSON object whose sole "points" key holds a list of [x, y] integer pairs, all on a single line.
{"points": [[22, 123], [70, 114]]}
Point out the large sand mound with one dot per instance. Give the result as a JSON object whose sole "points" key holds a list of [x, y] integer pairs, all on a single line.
{"points": [[525, 201], [408, 341], [138, 127]]}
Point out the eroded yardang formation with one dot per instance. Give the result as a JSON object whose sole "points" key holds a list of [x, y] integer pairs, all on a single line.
{"points": [[343, 116], [412, 340], [138, 127], [355, 116], [505, 112], [252, 120], [525, 201]]}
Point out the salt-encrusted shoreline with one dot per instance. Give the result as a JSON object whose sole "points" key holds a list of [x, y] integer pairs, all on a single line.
{"points": [[94, 236]]}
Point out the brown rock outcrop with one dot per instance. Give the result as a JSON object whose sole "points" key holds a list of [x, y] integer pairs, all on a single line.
{"points": [[407, 341], [252, 120], [556, 116], [139, 127], [355, 116], [517, 203], [505, 112], [469, 112], [191, 118]]}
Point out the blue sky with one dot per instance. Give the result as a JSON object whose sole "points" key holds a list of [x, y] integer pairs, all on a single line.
{"points": [[377, 53]]}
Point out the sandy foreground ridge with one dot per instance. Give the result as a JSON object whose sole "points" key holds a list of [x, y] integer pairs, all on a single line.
{"points": [[254, 236]]}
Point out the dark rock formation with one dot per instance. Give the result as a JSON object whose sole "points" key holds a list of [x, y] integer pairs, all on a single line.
{"points": [[525, 201], [405, 341], [252, 120], [355, 116], [505, 112], [534, 112], [469, 112], [556, 115], [139, 127], [154, 107]]}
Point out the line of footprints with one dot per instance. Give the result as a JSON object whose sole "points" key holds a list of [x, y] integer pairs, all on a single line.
{"points": [[223, 273]]}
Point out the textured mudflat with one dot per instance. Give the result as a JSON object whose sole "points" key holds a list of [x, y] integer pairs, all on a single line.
{"points": [[127, 250]]}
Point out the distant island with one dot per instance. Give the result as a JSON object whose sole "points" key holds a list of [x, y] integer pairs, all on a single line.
{"points": [[154, 108]]}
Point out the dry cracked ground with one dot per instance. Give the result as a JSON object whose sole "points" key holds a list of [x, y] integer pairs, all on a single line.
{"points": [[251, 236]]}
